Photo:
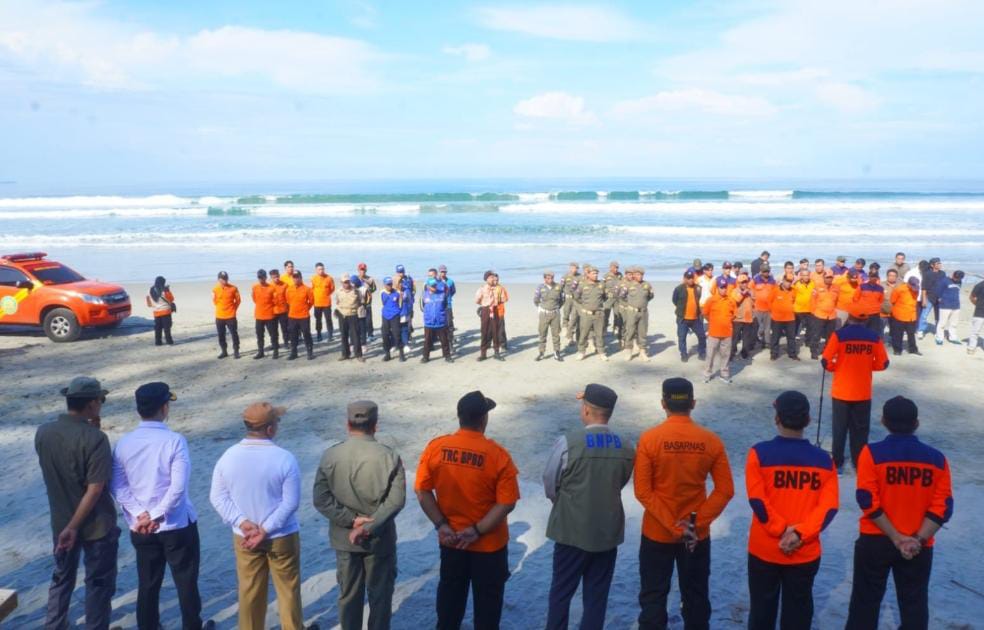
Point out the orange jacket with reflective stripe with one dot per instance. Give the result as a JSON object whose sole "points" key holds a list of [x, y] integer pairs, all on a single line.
{"points": [[852, 354]]}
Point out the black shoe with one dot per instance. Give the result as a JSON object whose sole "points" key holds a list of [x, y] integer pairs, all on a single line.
{"points": [[539, 357], [403, 358], [774, 357], [235, 354], [795, 358], [223, 355], [424, 359], [170, 342], [292, 356], [360, 359], [684, 358], [158, 343], [449, 359], [208, 625], [897, 353], [917, 353], [701, 357], [814, 356], [744, 354], [310, 356], [319, 336], [258, 355], [344, 358], [387, 357], [482, 357], [557, 357]]}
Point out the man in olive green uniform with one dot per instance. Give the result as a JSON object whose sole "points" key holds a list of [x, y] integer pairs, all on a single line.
{"points": [[591, 300], [549, 299], [636, 294], [360, 487], [612, 279], [584, 477], [569, 313]]}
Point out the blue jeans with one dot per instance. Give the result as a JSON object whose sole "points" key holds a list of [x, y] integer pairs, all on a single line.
{"points": [[695, 325], [923, 325]]}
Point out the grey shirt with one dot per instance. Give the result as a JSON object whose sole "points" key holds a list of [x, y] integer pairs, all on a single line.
{"points": [[361, 477]]}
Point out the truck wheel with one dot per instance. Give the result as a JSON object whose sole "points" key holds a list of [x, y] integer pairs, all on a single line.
{"points": [[61, 325]]}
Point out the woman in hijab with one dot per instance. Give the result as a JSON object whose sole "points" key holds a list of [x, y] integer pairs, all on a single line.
{"points": [[161, 301]]}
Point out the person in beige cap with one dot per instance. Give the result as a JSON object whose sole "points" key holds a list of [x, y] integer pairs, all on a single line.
{"points": [[611, 280], [635, 295], [256, 487], [360, 487], [549, 299], [592, 300]]}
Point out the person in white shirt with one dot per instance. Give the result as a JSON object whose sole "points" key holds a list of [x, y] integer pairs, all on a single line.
{"points": [[151, 468], [256, 487], [706, 282]]}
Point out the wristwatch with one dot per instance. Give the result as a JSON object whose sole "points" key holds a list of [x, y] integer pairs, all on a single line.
{"points": [[441, 524]]}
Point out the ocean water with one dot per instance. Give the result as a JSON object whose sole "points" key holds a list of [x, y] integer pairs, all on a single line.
{"points": [[518, 228]]}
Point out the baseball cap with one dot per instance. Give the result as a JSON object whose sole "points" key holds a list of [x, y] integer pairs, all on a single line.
{"points": [[934, 261], [697, 263], [362, 411], [900, 410], [688, 274], [223, 275], [400, 269], [362, 266], [600, 396], [792, 406], [726, 265], [151, 396], [474, 405], [678, 390], [260, 414], [261, 273], [442, 268], [84, 387], [914, 282], [353, 278], [722, 283], [387, 280]]}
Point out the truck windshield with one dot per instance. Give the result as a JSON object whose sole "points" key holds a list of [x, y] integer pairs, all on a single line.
{"points": [[50, 274]]}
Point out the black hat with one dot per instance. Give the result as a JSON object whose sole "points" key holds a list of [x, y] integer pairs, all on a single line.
{"points": [[600, 396], [488, 273], [933, 261], [152, 396], [792, 407], [223, 275], [474, 405], [261, 274], [900, 411], [678, 390], [688, 274]]}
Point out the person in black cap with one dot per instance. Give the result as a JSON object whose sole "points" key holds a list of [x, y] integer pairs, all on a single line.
{"points": [[151, 470], [226, 298], [905, 497], [584, 477], [686, 303], [476, 487], [792, 489]]}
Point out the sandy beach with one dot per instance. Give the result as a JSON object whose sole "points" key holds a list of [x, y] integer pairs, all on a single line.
{"points": [[417, 402]]}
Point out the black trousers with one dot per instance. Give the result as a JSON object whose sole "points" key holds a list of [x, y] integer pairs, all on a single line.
{"points": [[787, 330], [767, 582], [876, 324], [897, 329], [817, 330], [232, 325], [451, 324], [490, 331], [324, 313], [268, 326], [745, 333], [570, 566], [802, 322], [100, 581], [162, 328], [368, 329], [849, 419], [296, 328], [350, 336], [874, 557], [281, 319], [441, 334], [485, 574], [178, 549], [656, 562], [390, 330]]}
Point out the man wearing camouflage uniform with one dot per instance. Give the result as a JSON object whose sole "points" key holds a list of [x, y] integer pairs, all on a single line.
{"points": [[569, 314], [612, 280], [549, 299], [591, 303], [635, 295]]}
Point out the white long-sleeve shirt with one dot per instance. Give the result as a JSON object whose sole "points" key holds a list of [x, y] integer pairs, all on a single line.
{"points": [[151, 468], [258, 481]]}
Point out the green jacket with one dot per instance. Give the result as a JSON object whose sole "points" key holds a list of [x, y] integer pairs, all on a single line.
{"points": [[361, 477]]}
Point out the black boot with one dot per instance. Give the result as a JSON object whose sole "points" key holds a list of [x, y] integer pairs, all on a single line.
{"points": [[223, 354], [258, 355]]}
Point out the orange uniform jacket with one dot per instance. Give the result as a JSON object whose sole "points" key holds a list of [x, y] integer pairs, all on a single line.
{"points": [[904, 301], [227, 300], [852, 354], [763, 291], [824, 302], [907, 481], [263, 298], [279, 298], [300, 299], [323, 287], [671, 468], [744, 312], [164, 309], [845, 293], [470, 474], [804, 296], [790, 483], [783, 308], [720, 314], [869, 298], [816, 278]]}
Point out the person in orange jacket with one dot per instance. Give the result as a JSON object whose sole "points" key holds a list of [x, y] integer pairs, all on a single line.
{"points": [[280, 308], [300, 299], [803, 290], [763, 287], [161, 301], [744, 323], [905, 314], [322, 285], [226, 298], [853, 353], [783, 316], [720, 311], [266, 320], [847, 286], [792, 489], [905, 495], [869, 298], [672, 464], [823, 314]]}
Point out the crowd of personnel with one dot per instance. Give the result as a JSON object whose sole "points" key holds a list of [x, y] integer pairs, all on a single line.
{"points": [[733, 312], [467, 484]]}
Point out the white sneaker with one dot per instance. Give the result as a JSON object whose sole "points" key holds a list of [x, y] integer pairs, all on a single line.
{"points": [[406, 348], [582, 356], [726, 380], [920, 335], [604, 357], [707, 379], [647, 359]]}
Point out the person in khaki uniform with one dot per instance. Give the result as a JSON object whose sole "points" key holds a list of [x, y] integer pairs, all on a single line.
{"points": [[360, 487], [584, 477], [256, 489], [612, 280], [549, 299], [348, 302], [591, 300], [635, 295], [569, 313]]}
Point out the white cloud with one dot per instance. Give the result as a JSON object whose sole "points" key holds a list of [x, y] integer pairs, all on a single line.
{"points": [[701, 100], [68, 42], [559, 106], [471, 52], [566, 22], [846, 97]]}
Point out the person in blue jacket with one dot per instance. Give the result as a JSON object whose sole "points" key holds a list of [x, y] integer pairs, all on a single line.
{"points": [[948, 293], [434, 304], [392, 329], [442, 275], [405, 284]]}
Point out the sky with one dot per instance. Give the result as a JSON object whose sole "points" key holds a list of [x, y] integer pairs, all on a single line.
{"points": [[237, 91]]}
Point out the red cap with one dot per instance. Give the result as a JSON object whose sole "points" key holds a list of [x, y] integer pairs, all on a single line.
{"points": [[362, 265]]}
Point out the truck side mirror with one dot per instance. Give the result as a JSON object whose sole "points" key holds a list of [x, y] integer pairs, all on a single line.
{"points": [[25, 284]]}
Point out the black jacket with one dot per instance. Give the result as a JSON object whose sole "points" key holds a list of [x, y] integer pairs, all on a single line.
{"points": [[680, 299]]}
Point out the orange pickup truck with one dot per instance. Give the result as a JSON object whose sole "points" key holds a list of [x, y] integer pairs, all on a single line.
{"points": [[35, 291]]}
